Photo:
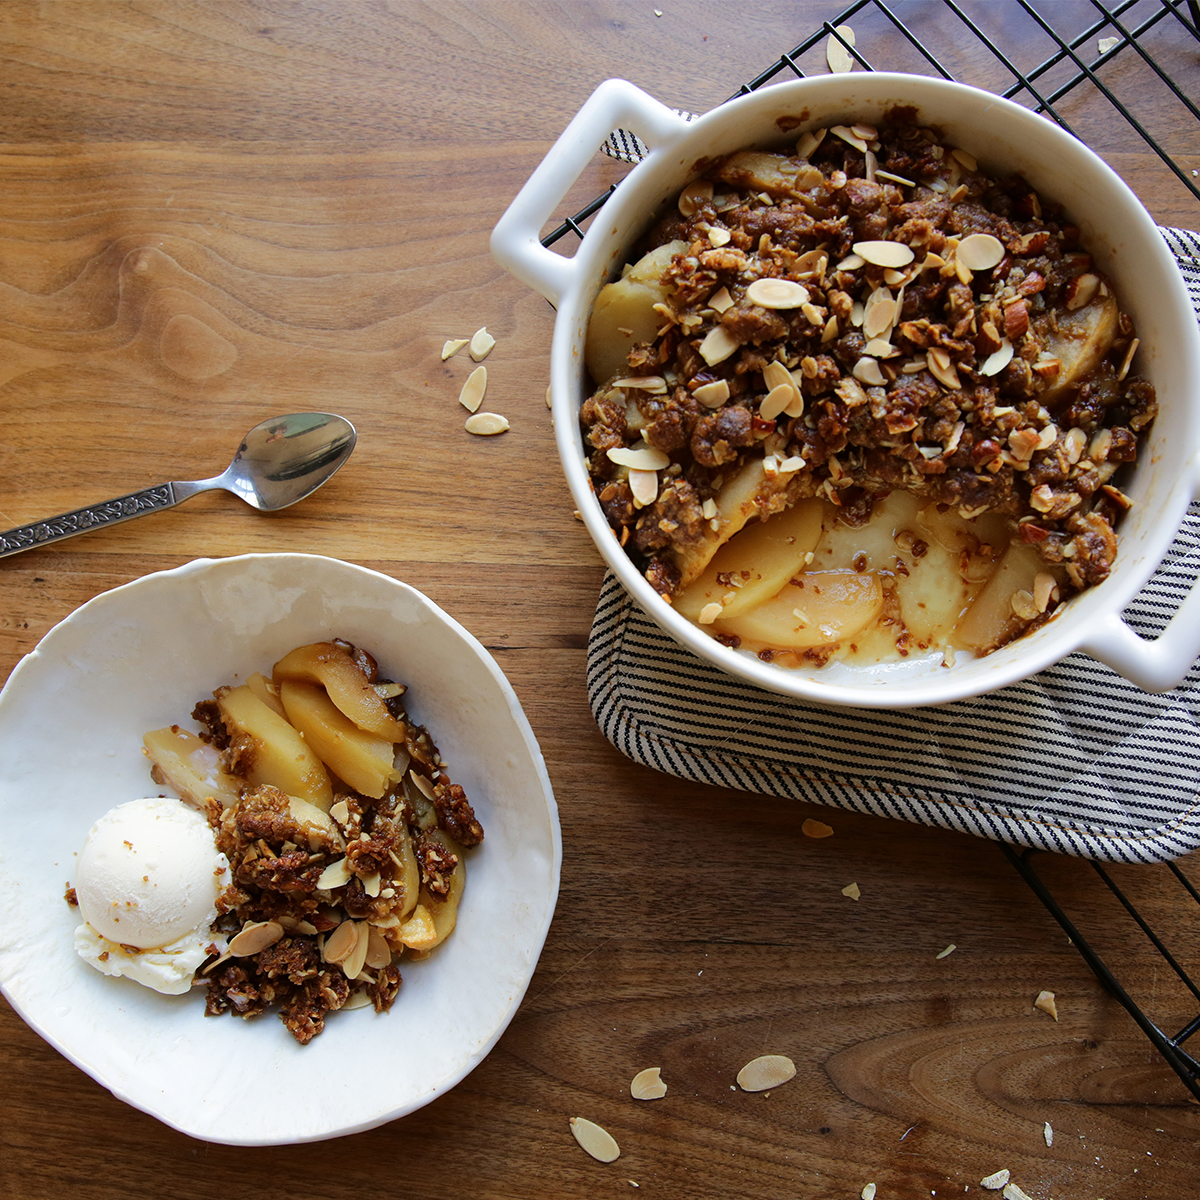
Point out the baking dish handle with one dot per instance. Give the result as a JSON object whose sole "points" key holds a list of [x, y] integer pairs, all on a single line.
{"points": [[615, 104], [1159, 665]]}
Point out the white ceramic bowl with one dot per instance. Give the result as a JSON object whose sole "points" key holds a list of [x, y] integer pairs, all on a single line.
{"points": [[72, 717], [1004, 137]]}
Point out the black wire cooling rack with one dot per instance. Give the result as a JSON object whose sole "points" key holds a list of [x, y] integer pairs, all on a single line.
{"points": [[1078, 62]]}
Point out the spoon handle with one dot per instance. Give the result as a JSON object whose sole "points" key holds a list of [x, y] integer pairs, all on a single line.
{"points": [[108, 512]]}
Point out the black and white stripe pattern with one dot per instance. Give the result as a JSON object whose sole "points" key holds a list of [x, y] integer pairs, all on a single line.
{"points": [[1075, 760]]}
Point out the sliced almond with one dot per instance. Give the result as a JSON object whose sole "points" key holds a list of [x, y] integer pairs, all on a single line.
{"points": [[851, 263], [812, 139], [964, 159], [880, 348], [718, 345], [336, 875], [648, 1085], [255, 937], [372, 883], [980, 251], [840, 60], [720, 301], [950, 949], [777, 293], [713, 395], [768, 1071], [358, 999], [486, 424], [849, 137], [996, 1180], [868, 371], [884, 254], [1014, 1192], [481, 344], [352, 964], [776, 400], [868, 1192], [471, 396], [694, 195], [643, 383], [598, 1142], [451, 347], [342, 943], [998, 359], [879, 313], [379, 953], [816, 829], [717, 236], [1048, 1134], [942, 368], [710, 613], [1046, 1002], [639, 458], [644, 486], [852, 890]]}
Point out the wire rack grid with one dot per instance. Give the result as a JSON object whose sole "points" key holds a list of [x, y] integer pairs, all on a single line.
{"points": [[1077, 63]]}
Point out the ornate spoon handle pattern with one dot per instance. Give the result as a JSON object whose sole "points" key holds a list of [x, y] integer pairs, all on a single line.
{"points": [[109, 512]]}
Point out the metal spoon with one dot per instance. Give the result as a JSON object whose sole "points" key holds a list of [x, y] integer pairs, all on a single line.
{"points": [[279, 462]]}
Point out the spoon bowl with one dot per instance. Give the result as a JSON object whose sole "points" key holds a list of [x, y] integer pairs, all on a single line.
{"points": [[279, 461]]}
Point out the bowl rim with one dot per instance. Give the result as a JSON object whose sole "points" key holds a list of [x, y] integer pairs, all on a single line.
{"points": [[601, 250], [325, 570]]}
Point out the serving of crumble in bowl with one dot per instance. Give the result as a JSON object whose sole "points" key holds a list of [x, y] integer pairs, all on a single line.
{"points": [[72, 719], [829, 329]]}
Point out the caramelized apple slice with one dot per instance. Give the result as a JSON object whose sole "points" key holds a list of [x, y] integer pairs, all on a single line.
{"points": [[752, 566], [1081, 341], [821, 608], [270, 750], [991, 619], [265, 690], [192, 767], [348, 687], [624, 315], [360, 759]]}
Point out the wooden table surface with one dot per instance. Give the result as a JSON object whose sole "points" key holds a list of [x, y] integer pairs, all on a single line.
{"points": [[212, 213]]}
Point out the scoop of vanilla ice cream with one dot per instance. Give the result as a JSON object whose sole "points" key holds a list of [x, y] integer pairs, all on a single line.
{"points": [[147, 882]]}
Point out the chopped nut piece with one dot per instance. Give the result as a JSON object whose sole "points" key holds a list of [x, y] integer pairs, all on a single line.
{"points": [[768, 1071], [481, 344], [486, 424], [648, 1085], [1045, 1001], [816, 829], [840, 60], [598, 1142], [452, 346], [852, 890], [471, 396], [996, 1180], [777, 293]]}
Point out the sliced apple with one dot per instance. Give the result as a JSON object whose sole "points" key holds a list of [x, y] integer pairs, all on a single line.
{"points": [[1080, 343], [272, 751], [345, 682], [360, 759], [990, 620], [265, 690], [624, 315], [753, 565], [821, 609], [190, 766]]}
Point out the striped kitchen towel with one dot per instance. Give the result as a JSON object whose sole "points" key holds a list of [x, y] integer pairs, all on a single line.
{"points": [[1075, 760]]}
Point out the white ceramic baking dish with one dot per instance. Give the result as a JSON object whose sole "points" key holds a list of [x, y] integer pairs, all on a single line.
{"points": [[1004, 137]]}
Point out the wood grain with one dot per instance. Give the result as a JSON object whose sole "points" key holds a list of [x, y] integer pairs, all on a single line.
{"points": [[214, 212]]}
